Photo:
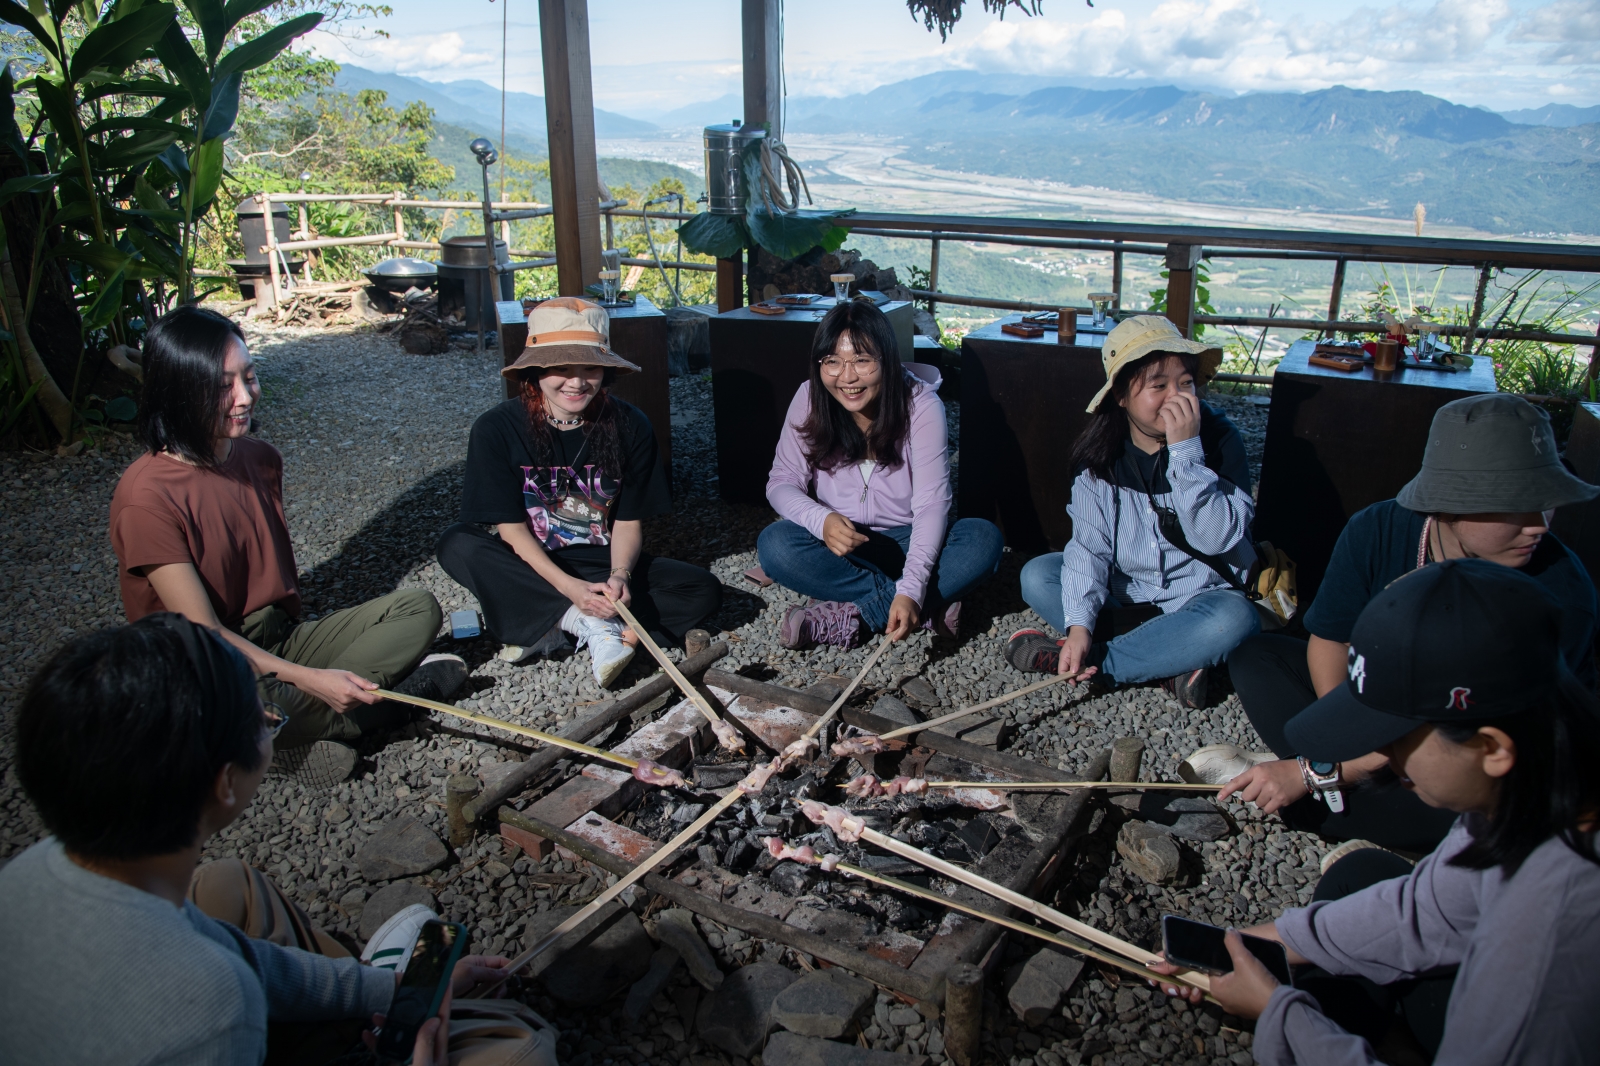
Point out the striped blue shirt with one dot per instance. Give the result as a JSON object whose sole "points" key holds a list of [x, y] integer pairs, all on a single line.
{"points": [[1117, 547]]}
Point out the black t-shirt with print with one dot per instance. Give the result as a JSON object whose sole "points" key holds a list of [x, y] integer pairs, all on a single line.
{"points": [[568, 504]]}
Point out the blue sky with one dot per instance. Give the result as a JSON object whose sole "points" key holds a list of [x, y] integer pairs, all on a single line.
{"points": [[652, 55]]}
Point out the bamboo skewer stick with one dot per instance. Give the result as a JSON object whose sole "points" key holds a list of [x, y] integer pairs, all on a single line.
{"points": [[1198, 980], [964, 711], [1047, 786], [726, 734], [872, 660], [510, 727]]}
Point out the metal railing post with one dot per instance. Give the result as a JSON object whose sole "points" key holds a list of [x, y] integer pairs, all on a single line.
{"points": [[933, 276], [493, 275]]}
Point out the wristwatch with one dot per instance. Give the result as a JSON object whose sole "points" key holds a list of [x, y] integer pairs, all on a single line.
{"points": [[1323, 780]]}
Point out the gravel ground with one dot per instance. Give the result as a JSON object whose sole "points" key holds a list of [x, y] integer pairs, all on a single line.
{"points": [[373, 441]]}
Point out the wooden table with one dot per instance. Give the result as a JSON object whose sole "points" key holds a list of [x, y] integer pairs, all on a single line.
{"points": [[639, 335], [1022, 406], [1337, 442], [757, 363]]}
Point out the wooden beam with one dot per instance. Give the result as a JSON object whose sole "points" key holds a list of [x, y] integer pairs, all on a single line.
{"points": [[730, 283], [569, 117], [763, 65], [1181, 262]]}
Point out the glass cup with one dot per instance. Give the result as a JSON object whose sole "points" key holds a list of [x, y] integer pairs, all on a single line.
{"points": [[1102, 307], [841, 286], [1427, 340], [611, 261], [608, 285]]}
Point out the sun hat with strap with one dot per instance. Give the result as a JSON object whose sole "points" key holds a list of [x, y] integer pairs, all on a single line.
{"points": [[568, 331], [1143, 335], [1488, 454]]}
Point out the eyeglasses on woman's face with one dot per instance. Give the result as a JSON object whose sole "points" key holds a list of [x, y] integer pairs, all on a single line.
{"points": [[863, 365]]}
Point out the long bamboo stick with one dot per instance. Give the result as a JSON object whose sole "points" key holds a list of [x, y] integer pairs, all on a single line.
{"points": [[673, 672], [510, 727], [872, 660], [964, 711], [1197, 980], [1049, 786]]}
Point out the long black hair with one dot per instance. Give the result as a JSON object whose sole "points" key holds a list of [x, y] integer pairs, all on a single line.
{"points": [[185, 353], [832, 438], [601, 428], [1552, 790], [122, 733], [1106, 433]]}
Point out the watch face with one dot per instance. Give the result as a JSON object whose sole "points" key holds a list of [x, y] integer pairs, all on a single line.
{"points": [[1322, 769]]}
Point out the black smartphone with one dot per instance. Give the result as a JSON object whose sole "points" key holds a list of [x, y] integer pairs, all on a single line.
{"points": [[439, 947], [1199, 946]]}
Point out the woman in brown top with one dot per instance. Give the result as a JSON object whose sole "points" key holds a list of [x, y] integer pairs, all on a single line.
{"points": [[198, 527]]}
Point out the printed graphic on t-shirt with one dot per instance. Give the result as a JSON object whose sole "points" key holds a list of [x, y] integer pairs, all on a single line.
{"points": [[567, 505]]}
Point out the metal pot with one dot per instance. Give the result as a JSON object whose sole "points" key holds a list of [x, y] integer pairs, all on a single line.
{"points": [[726, 190], [402, 273], [464, 280]]}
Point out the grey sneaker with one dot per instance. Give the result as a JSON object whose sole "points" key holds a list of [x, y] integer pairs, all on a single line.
{"points": [[437, 678], [320, 764], [828, 622], [1217, 764]]}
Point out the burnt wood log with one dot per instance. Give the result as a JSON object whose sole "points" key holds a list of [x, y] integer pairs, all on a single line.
{"points": [[963, 1013], [583, 729]]}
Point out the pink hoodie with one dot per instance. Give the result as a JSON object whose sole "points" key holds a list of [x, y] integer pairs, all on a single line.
{"points": [[915, 494]]}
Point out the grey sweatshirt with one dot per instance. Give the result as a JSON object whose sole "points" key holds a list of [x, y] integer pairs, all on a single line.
{"points": [[96, 971], [1527, 989]]}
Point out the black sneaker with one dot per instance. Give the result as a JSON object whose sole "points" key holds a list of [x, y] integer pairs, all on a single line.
{"points": [[1188, 689], [1031, 652], [320, 764], [437, 678]]}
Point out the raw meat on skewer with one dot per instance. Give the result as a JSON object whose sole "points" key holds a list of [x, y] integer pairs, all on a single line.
{"points": [[727, 736], [798, 751], [863, 745], [868, 787], [756, 779], [845, 826], [653, 773], [779, 850]]}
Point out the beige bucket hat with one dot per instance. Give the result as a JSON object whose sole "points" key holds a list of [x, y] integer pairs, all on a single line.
{"points": [[568, 331], [1142, 335]]}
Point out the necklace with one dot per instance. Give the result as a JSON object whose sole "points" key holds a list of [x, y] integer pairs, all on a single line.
{"points": [[578, 421]]}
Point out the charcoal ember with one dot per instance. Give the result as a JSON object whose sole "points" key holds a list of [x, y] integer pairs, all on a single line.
{"points": [[979, 836], [925, 835], [687, 812], [904, 917], [793, 878], [740, 856], [720, 775]]}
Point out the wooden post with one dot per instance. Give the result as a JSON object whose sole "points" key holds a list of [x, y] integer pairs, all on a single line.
{"points": [[272, 245], [1181, 261], [1471, 345], [569, 117], [1126, 754], [399, 218], [763, 66], [459, 791], [1337, 296], [1116, 280], [963, 1013], [730, 283], [933, 275], [305, 235]]}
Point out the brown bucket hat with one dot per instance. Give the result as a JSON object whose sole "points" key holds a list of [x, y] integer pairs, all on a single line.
{"points": [[567, 331]]}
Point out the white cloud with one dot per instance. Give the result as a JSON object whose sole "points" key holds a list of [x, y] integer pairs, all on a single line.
{"points": [[439, 53], [1571, 27]]}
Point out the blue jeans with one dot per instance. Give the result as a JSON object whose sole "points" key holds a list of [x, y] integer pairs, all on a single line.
{"points": [[1200, 633], [795, 559]]}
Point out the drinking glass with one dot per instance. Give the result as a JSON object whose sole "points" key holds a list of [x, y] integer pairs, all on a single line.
{"points": [[841, 286], [1102, 305], [608, 285], [611, 263]]}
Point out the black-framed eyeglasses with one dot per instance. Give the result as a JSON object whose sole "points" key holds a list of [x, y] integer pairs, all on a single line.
{"points": [[276, 719]]}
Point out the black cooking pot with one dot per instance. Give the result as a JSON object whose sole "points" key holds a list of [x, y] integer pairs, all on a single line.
{"points": [[402, 273]]}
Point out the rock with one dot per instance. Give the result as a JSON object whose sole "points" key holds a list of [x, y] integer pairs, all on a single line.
{"points": [[896, 711], [675, 928], [900, 1017], [793, 878], [920, 692], [1148, 852], [662, 963], [595, 971], [494, 869], [828, 687], [720, 775], [823, 1003], [738, 1016], [1039, 984], [792, 1049], [352, 903], [1186, 817], [389, 901], [401, 848]]}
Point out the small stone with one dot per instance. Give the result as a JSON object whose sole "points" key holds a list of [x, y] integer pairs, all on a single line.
{"points": [[352, 902], [900, 1017], [895, 711], [738, 1016], [389, 901], [1039, 985], [494, 869], [823, 1003], [1148, 852], [1125, 1001], [792, 1049], [336, 815], [401, 848], [920, 691], [675, 928], [662, 963]]}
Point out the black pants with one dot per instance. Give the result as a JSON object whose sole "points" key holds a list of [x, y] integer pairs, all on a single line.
{"points": [[669, 597], [1272, 678], [1358, 1005]]}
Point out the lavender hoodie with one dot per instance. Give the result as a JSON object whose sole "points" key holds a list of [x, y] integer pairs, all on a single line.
{"points": [[915, 494]]}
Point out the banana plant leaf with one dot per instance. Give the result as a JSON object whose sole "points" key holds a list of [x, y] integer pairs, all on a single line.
{"points": [[31, 183], [17, 15], [9, 132], [155, 252], [224, 107], [790, 235], [178, 56], [205, 166], [125, 153], [115, 46], [720, 236], [131, 123], [137, 87], [106, 303], [265, 48], [107, 258]]}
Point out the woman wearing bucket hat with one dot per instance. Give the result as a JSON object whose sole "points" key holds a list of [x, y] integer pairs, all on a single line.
{"points": [[1161, 514], [566, 472], [1455, 675], [1489, 473]]}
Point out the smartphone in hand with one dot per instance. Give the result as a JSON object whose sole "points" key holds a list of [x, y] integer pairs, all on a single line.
{"points": [[1199, 946], [439, 947]]}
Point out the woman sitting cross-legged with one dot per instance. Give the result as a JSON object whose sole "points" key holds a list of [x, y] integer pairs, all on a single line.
{"points": [[874, 544], [1485, 950], [1161, 514], [566, 473]]}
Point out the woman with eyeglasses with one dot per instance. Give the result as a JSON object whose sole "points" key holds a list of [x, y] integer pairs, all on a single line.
{"points": [[861, 484]]}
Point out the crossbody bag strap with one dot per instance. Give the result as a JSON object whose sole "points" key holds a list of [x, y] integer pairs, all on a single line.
{"points": [[1172, 530]]}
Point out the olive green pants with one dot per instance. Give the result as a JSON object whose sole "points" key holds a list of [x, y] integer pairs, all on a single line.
{"points": [[382, 640]]}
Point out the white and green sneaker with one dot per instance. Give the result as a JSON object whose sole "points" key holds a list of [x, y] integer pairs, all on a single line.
{"points": [[390, 947]]}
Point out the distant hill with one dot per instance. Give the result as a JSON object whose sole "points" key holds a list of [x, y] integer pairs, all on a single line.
{"points": [[475, 105], [1340, 149], [450, 146], [1554, 115]]}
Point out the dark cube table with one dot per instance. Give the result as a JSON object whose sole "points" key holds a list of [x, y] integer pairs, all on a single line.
{"points": [[757, 363], [639, 335], [1022, 406], [1337, 442]]}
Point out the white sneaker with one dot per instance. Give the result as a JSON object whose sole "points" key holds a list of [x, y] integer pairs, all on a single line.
{"points": [[390, 947], [1217, 764], [607, 650], [1350, 846]]}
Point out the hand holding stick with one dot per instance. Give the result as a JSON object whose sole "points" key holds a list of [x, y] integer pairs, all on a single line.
{"points": [[727, 735]]}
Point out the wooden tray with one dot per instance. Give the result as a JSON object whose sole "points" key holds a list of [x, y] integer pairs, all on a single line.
{"points": [[767, 309], [1022, 329]]}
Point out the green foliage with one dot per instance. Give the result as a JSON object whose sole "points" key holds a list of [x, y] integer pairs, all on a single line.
{"points": [[640, 239], [786, 234], [1202, 295]]}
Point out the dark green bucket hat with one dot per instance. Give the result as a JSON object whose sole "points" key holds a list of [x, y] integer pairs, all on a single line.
{"points": [[1490, 453]]}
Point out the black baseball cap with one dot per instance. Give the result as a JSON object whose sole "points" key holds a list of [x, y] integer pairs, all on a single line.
{"points": [[1461, 640]]}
